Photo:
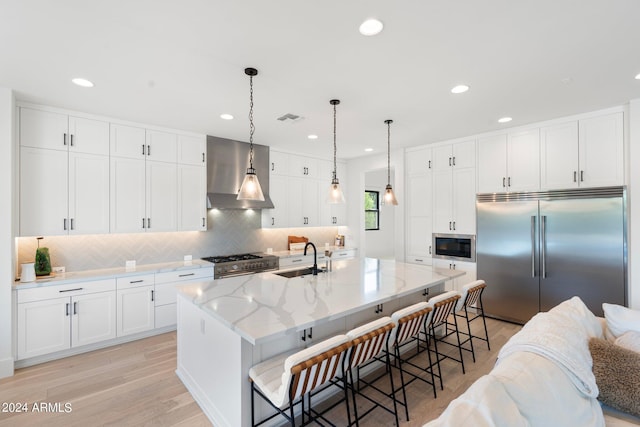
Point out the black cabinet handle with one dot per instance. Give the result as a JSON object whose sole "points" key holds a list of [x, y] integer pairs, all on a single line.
{"points": [[143, 152], [186, 275], [136, 281], [64, 139], [152, 295], [70, 290], [148, 150], [71, 140], [67, 309], [202, 157], [75, 308]]}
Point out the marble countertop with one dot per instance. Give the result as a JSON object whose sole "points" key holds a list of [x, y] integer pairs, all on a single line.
{"points": [[111, 273], [320, 249], [265, 306]]}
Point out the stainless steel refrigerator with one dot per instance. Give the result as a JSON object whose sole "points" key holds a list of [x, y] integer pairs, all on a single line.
{"points": [[535, 250]]}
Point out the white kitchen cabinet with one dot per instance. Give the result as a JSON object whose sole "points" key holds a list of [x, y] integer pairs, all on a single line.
{"points": [[601, 151], [57, 318], [192, 204], [57, 131], [93, 318], [88, 194], [454, 188], [144, 196], [127, 195], [44, 201], [302, 166], [419, 204], [165, 295], [127, 141], [162, 196], [161, 146], [43, 327], [135, 304], [279, 163], [192, 150], [278, 216], [456, 284], [559, 167], [303, 202], [63, 172], [509, 162]]}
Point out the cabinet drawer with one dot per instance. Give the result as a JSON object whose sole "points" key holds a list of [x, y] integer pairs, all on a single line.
{"points": [[135, 281], [68, 290], [295, 261], [424, 260], [182, 275], [343, 254]]}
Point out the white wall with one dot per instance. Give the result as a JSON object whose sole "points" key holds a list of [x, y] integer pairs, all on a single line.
{"points": [[633, 199], [379, 243], [7, 181], [356, 170]]}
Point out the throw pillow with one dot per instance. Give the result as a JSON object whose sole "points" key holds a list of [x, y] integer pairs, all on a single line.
{"points": [[617, 372], [629, 340], [621, 319]]}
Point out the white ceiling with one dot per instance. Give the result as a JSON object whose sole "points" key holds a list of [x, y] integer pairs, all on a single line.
{"points": [[180, 64]]}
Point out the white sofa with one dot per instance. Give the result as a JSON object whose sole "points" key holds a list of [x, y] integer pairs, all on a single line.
{"points": [[543, 377]]}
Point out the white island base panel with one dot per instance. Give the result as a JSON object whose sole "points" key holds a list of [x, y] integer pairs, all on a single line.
{"points": [[226, 326]]}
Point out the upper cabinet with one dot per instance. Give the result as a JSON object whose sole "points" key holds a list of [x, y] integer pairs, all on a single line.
{"points": [[583, 153], [298, 189], [509, 162], [64, 171], [90, 176], [454, 187]]}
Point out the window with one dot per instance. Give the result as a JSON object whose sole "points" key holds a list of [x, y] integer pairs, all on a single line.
{"points": [[371, 210]]}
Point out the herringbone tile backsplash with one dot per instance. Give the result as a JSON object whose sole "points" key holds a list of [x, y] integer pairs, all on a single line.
{"points": [[229, 232]]}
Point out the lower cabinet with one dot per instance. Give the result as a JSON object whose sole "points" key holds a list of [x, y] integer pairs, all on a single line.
{"points": [[58, 318], [136, 307], [456, 284], [165, 295]]}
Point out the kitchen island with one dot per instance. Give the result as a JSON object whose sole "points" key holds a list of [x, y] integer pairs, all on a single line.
{"points": [[225, 326]]}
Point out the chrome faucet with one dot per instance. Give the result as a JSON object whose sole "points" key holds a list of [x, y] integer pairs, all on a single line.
{"points": [[314, 270]]}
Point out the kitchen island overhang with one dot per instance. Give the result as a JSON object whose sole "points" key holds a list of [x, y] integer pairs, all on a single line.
{"points": [[226, 326]]}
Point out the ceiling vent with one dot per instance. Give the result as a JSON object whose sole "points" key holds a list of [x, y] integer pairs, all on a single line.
{"points": [[290, 118]]}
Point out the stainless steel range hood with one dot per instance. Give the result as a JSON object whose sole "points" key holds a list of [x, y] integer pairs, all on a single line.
{"points": [[227, 163]]}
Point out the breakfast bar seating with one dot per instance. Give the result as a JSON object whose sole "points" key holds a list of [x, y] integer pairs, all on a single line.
{"points": [[285, 381], [472, 300]]}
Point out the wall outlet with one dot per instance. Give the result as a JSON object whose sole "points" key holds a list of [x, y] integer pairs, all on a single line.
{"points": [[59, 269], [130, 264], [188, 258]]}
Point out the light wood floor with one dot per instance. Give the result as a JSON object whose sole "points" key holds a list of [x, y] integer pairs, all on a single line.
{"points": [[134, 384]]}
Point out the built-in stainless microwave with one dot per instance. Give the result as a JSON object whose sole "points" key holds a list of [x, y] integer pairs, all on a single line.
{"points": [[461, 247]]}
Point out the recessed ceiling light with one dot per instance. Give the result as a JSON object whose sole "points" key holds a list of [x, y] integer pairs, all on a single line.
{"points": [[312, 136], [504, 120], [226, 116], [460, 89], [371, 27], [82, 82], [638, 76], [368, 150]]}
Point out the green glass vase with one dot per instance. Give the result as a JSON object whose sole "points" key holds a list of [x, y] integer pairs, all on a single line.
{"points": [[43, 262]]}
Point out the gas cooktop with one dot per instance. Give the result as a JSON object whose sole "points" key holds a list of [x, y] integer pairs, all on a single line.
{"points": [[234, 265]]}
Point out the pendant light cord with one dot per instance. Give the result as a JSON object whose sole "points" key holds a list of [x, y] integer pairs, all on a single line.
{"points": [[334, 142], [388, 122], [252, 128]]}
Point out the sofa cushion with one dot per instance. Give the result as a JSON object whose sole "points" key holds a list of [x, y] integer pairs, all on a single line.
{"points": [[617, 372], [544, 394], [485, 404], [621, 319]]}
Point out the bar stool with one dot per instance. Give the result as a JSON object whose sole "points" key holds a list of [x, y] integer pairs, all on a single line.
{"points": [[368, 342], [443, 306], [410, 322], [472, 299], [285, 380]]}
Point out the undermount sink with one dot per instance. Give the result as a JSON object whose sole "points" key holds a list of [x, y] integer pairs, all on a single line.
{"points": [[297, 273]]}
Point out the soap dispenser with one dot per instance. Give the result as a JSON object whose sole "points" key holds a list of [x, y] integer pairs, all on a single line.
{"points": [[43, 261]]}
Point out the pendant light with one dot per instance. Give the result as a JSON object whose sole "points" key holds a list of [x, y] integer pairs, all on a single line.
{"points": [[389, 197], [335, 192], [250, 188]]}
